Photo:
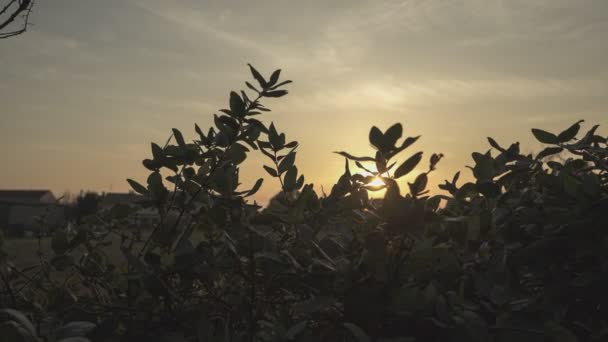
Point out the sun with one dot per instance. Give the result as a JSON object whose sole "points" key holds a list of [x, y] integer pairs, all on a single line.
{"points": [[376, 182]]}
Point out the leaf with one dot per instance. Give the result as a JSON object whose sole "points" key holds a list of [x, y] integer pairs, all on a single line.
{"points": [[281, 84], [393, 134], [361, 166], [380, 162], [292, 144], [408, 165], [258, 77], [405, 144], [376, 138], [435, 158], [19, 318], [548, 151], [274, 137], [11, 331], [290, 178], [253, 133], [255, 188], [140, 189], [155, 183], [157, 152], [433, 202], [494, 144], [237, 106], [295, 330], [75, 329], [266, 153], [237, 153], [271, 171], [357, 332], [245, 97], [466, 190], [419, 184], [478, 157], [276, 93], [252, 87], [287, 162], [300, 182], [484, 166], [226, 124], [274, 77], [179, 137], [351, 157], [558, 333], [544, 136], [455, 178], [488, 188], [570, 133], [587, 139], [409, 141]]}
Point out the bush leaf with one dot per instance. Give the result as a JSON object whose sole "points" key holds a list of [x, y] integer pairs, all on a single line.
{"points": [[544, 136], [408, 165], [357, 332], [570, 133]]}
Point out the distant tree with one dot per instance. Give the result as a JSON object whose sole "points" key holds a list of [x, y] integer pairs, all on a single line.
{"points": [[281, 201], [14, 17], [66, 198], [86, 204]]}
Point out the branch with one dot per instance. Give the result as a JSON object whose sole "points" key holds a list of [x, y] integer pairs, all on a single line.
{"points": [[24, 9]]}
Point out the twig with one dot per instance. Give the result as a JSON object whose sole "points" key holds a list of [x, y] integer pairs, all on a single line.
{"points": [[25, 7]]}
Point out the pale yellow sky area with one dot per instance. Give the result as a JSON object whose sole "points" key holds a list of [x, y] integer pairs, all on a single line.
{"points": [[87, 88]]}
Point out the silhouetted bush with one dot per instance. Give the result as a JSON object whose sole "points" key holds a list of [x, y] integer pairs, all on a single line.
{"points": [[520, 254]]}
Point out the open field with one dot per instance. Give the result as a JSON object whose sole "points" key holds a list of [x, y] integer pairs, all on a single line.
{"points": [[23, 252]]}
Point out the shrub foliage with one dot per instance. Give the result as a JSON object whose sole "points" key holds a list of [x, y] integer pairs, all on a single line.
{"points": [[520, 253]]}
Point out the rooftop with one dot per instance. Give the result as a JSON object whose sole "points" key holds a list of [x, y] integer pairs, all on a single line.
{"points": [[112, 198], [26, 196]]}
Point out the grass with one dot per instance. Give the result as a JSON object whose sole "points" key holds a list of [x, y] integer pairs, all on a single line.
{"points": [[23, 252]]}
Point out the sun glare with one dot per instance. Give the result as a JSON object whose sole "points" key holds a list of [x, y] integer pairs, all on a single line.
{"points": [[377, 181]]}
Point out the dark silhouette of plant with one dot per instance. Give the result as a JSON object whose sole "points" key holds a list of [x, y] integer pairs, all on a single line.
{"points": [[517, 254], [86, 204]]}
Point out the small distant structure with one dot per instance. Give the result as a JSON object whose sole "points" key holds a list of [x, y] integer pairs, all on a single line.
{"points": [[25, 212], [143, 217], [110, 199]]}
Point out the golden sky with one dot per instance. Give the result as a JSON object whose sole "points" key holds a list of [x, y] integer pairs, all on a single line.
{"points": [[87, 88]]}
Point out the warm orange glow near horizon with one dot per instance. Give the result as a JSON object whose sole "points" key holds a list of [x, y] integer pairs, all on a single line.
{"points": [[82, 98]]}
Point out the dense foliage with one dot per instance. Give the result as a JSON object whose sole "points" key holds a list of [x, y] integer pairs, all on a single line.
{"points": [[519, 254]]}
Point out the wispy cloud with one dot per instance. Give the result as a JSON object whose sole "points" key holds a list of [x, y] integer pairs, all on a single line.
{"points": [[116, 72], [193, 20]]}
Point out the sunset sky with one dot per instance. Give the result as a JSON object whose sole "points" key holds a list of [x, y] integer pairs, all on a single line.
{"points": [[92, 83]]}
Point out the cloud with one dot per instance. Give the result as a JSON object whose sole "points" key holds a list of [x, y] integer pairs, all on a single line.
{"points": [[102, 74], [194, 20]]}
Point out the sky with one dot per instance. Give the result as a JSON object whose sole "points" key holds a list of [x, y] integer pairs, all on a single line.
{"points": [[92, 83]]}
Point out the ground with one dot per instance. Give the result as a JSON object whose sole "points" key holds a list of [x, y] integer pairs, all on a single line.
{"points": [[23, 252]]}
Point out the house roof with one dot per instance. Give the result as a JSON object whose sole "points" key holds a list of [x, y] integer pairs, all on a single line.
{"points": [[23, 196], [113, 198]]}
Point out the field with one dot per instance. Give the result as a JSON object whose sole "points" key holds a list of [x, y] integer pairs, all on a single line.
{"points": [[23, 252]]}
